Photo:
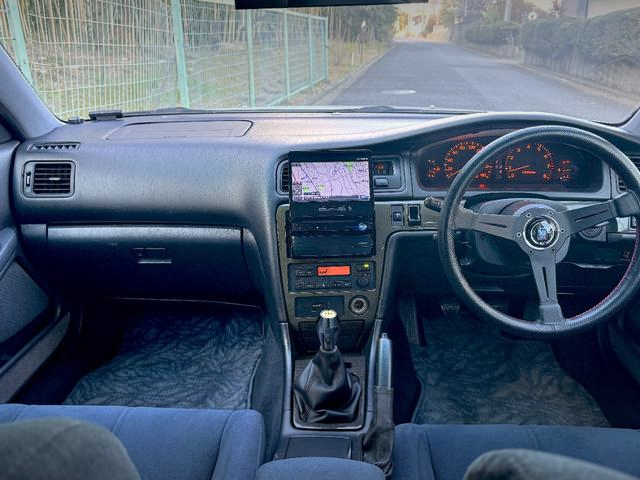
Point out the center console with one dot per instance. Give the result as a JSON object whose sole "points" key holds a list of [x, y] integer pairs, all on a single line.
{"points": [[328, 244], [332, 240]]}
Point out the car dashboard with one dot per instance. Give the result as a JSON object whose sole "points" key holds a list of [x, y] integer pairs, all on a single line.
{"points": [[196, 206]]}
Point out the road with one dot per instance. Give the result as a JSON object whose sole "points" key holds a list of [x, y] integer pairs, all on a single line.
{"points": [[417, 73]]}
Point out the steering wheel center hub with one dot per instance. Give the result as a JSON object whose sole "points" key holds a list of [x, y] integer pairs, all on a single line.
{"points": [[541, 232]]}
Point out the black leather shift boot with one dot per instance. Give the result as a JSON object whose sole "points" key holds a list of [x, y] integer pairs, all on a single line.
{"points": [[326, 392]]}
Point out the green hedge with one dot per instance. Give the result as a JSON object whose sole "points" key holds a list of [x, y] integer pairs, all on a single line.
{"points": [[611, 36], [500, 33], [600, 39], [545, 37]]}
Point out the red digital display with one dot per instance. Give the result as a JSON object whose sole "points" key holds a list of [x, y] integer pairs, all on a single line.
{"points": [[334, 270]]}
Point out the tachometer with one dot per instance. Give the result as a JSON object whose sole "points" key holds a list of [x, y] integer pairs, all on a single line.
{"points": [[458, 156], [530, 164]]}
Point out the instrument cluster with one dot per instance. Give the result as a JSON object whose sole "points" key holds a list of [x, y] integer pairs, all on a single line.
{"points": [[530, 166]]}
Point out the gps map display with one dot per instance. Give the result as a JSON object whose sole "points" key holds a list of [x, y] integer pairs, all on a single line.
{"points": [[330, 181]]}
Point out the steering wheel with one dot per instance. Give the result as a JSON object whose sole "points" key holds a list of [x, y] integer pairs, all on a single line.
{"points": [[540, 231]]}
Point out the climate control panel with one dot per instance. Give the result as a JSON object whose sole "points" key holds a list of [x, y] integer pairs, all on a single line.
{"points": [[344, 276]]}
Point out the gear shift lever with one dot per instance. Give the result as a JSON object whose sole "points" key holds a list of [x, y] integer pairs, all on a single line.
{"points": [[328, 328], [325, 391]]}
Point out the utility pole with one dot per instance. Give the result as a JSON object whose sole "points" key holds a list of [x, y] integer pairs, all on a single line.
{"points": [[507, 10]]}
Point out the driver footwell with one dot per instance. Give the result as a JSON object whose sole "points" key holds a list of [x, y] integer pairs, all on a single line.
{"points": [[173, 359], [470, 373]]}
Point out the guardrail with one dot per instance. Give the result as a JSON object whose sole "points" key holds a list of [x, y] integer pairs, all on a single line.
{"points": [[145, 54]]}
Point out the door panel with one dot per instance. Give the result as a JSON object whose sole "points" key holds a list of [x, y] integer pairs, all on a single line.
{"points": [[27, 315], [21, 299]]}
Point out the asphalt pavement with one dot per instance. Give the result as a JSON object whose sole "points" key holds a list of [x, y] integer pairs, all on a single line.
{"points": [[422, 74]]}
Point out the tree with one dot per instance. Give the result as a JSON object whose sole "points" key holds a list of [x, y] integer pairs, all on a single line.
{"points": [[431, 22], [448, 12], [361, 23], [556, 9]]}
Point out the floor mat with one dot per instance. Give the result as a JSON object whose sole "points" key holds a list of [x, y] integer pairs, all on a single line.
{"points": [[472, 374], [177, 360]]}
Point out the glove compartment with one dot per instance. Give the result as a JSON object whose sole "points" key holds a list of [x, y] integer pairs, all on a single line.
{"points": [[185, 262]]}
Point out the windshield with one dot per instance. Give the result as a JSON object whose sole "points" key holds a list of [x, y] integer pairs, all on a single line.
{"points": [[573, 57]]}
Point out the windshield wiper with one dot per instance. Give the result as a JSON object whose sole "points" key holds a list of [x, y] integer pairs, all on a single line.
{"points": [[168, 111], [116, 113], [112, 114], [390, 109], [100, 115]]}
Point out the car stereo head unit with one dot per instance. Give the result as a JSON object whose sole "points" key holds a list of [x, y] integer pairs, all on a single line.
{"points": [[333, 184], [331, 210]]}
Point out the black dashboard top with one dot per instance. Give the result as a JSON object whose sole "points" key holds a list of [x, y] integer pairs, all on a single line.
{"points": [[185, 176], [177, 175]]}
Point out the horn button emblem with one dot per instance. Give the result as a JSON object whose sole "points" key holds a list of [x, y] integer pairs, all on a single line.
{"points": [[541, 232]]}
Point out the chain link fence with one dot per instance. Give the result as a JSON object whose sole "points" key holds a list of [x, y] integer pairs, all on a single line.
{"points": [[83, 55], [5, 33]]}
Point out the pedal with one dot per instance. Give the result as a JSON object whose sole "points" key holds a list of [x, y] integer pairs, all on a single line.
{"points": [[450, 307], [500, 304], [408, 312]]}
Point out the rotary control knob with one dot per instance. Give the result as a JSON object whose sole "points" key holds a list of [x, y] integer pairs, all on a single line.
{"points": [[363, 281]]}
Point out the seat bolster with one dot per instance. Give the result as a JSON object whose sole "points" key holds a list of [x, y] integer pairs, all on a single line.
{"points": [[62, 449], [242, 439], [425, 452], [515, 464], [411, 454], [170, 443]]}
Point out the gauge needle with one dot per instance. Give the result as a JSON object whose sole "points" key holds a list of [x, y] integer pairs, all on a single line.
{"points": [[453, 174], [519, 168]]}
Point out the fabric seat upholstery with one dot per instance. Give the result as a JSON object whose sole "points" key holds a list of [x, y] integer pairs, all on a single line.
{"points": [[319, 468], [171, 443], [443, 452]]}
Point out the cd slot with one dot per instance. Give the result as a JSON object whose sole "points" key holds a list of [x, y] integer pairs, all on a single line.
{"points": [[330, 246]]}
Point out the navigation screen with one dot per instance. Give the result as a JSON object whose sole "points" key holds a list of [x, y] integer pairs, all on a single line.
{"points": [[330, 181]]}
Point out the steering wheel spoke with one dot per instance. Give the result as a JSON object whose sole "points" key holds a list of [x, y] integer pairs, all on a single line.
{"points": [[503, 226], [578, 219], [543, 264]]}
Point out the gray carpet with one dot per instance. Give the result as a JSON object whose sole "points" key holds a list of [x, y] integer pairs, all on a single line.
{"points": [[178, 360], [472, 374]]}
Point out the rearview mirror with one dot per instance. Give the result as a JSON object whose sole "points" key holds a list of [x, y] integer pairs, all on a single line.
{"points": [[257, 4]]}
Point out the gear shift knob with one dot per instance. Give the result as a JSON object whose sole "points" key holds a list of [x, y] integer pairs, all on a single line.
{"points": [[326, 391], [328, 328]]}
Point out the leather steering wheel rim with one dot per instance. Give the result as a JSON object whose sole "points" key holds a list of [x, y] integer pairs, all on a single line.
{"points": [[550, 323]]}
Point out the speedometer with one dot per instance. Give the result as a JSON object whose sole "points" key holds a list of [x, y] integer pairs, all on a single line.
{"points": [[458, 156], [529, 164]]}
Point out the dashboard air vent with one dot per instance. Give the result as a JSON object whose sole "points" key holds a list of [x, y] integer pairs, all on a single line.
{"points": [[621, 186], [54, 147], [48, 179], [284, 179]]}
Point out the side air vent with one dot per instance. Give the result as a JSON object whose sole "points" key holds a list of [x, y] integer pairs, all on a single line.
{"points": [[48, 179], [54, 147], [621, 186], [284, 178]]}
